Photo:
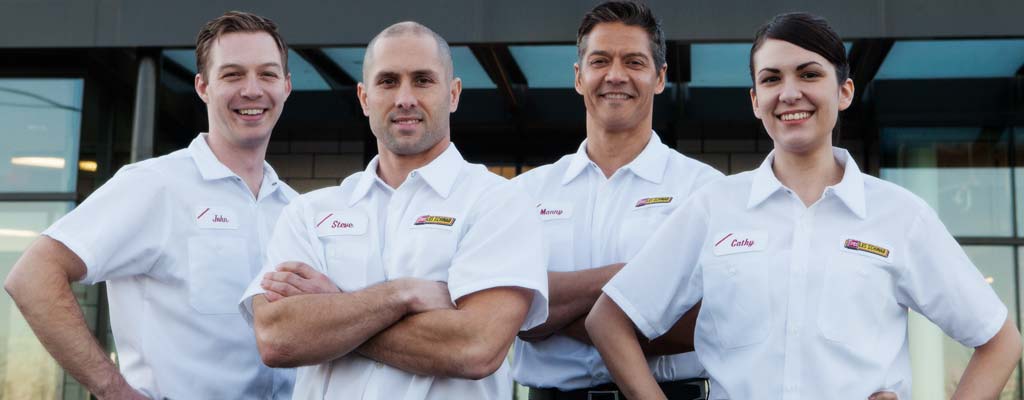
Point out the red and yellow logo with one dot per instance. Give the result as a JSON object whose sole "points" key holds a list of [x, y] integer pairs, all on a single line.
{"points": [[434, 220], [653, 200], [866, 247]]}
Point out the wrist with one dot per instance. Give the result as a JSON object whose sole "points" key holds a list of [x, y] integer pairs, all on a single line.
{"points": [[112, 387], [402, 295]]}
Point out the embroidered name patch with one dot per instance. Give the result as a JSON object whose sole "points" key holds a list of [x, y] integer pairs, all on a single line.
{"points": [[652, 201], [434, 220], [858, 245], [738, 242], [215, 218], [554, 210], [339, 223]]}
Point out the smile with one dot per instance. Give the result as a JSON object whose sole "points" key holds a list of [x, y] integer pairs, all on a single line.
{"points": [[616, 96], [795, 116], [251, 111], [406, 121]]}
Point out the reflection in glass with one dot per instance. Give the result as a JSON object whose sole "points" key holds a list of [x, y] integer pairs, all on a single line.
{"points": [[39, 121], [1018, 178], [962, 173], [996, 265], [26, 370]]}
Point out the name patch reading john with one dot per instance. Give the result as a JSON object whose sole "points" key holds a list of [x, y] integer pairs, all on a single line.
{"points": [[866, 247]]}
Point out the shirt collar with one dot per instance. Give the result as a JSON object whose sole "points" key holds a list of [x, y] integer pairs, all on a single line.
{"points": [[210, 168], [439, 174], [850, 189], [649, 164]]}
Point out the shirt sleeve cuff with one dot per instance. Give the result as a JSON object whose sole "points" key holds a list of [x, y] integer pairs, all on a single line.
{"points": [[992, 327], [81, 251], [538, 307]]}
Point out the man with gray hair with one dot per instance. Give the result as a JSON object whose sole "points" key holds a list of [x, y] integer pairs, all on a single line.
{"points": [[411, 279]]}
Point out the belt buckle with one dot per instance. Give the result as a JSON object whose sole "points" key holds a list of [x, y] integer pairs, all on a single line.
{"points": [[603, 395]]}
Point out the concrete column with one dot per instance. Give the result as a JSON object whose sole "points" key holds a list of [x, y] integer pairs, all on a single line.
{"points": [[144, 120]]}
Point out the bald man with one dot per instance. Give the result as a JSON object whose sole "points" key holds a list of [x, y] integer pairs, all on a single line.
{"points": [[411, 279]]}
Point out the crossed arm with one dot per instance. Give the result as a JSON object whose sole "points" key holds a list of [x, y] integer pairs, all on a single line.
{"points": [[408, 323], [573, 295]]}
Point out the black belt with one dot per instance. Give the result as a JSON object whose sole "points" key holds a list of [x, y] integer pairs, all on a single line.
{"points": [[688, 389]]}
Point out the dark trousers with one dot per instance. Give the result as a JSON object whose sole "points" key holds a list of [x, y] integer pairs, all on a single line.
{"points": [[689, 389]]}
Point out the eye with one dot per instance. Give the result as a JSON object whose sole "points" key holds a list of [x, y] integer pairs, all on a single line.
{"points": [[598, 61], [769, 79], [423, 81], [387, 82], [231, 75], [810, 75], [269, 74]]}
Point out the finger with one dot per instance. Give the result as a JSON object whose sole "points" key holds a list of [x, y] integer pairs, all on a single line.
{"points": [[272, 296], [298, 268], [883, 396], [280, 287], [286, 277]]}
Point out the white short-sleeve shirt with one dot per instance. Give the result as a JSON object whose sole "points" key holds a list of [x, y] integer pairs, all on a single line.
{"points": [[806, 302], [591, 221], [177, 239], [449, 221]]}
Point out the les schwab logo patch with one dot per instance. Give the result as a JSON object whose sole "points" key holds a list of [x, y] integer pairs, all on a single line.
{"points": [[858, 245], [434, 220], [652, 201]]}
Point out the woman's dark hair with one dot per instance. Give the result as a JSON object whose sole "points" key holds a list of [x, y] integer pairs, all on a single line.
{"points": [[808, 31]]}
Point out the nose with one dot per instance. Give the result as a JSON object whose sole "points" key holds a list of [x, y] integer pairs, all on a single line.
{"points": [[791, 92], [405, 99], [616, 74], [252, 88]]}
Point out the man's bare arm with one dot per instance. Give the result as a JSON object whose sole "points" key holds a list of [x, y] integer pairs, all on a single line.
{"points": [[991, 365], [469, 342], [572, 296], [315, 328], [40, 284]]}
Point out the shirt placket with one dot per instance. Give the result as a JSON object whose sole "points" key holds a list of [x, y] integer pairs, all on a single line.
{"points": [[797, 297]]}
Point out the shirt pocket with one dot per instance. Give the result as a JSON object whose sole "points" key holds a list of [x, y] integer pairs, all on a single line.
{"points": [[558, 237], [428, 255], [636, 230], [218, 273], [347, 258], [738, 301], [854, 293]]}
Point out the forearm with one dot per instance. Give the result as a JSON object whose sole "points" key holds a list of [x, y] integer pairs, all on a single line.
{"points": [[991, 365], [43, 294], [615, 338], [470, 342], [315, 328], [572, 294], [679, 339]]}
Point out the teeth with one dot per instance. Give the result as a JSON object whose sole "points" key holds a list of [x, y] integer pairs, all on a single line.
{"points": [[795, 116], [251, 111], [617, 96], [406, 121]]}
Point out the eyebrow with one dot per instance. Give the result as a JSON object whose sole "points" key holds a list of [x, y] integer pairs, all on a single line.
{"points": [[269, 64], [798, 67], [607, 54], [418, 72]]}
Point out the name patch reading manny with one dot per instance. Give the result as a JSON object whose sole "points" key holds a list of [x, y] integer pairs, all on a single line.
{"points": [[554, 210], [858, 245]]}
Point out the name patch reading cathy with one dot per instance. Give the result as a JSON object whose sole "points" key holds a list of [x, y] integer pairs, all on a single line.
{"points": [[738, 242]]}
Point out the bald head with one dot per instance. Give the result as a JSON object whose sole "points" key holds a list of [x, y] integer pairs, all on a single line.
{"points": [[411, 28]]}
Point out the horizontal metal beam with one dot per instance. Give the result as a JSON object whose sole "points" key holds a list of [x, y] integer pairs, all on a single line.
{"points": [[44, 196]]}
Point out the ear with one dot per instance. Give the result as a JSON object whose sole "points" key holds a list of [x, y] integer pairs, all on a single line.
{"points": [[201, 85], [846, 92], [662, 73], [361, 94], [753, 103], [456, 93], [287, 85], [577, 80]]}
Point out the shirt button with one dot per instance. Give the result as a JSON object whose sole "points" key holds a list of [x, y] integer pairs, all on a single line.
{"points": [[794, 331], [379, 365], [790, 388]]}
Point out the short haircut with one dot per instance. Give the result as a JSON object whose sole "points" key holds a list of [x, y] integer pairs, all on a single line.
{"points": [[630, 13], [233, 22], [416, 29], [809, 32]]}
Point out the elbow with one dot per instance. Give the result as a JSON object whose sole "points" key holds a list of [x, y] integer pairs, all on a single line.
{"points": [[15, 284], [480, 361], [274, 352]]}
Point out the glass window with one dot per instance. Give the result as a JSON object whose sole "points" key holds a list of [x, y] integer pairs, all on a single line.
{"points": [[39, 121], [1018, 178], [938, 362], [26, 370], [963, 173]]}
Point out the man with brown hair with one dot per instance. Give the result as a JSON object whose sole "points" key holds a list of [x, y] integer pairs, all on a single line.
{"points": [[176, 238]]}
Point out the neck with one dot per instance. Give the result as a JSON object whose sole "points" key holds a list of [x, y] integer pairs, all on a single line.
{"points": [[807, 173], [612, 149], [394, 168], [246, 162]]}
